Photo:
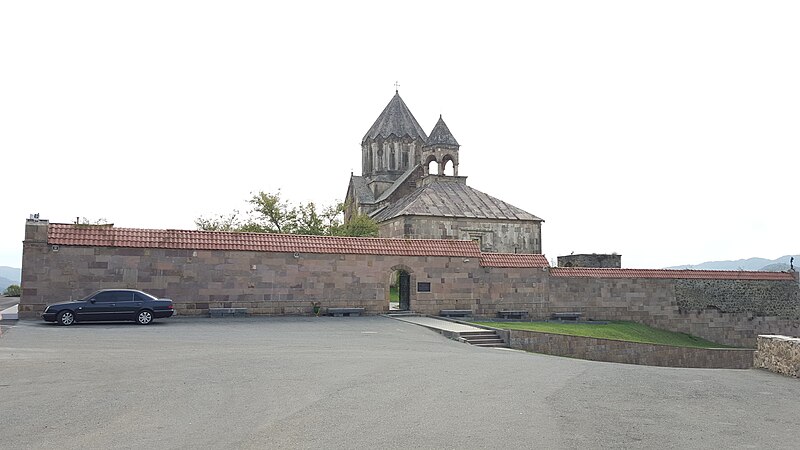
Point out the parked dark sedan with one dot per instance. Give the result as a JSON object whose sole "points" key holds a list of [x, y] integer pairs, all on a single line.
{"points": [[110, 305]]}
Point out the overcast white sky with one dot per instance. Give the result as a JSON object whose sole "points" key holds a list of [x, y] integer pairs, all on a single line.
{"points": [[663, 131]]}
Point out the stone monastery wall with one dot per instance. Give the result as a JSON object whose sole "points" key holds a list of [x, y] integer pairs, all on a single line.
{"points": [[281, 274]]}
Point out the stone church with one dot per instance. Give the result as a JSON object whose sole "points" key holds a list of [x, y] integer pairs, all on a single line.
{"points": [[400, 189]]}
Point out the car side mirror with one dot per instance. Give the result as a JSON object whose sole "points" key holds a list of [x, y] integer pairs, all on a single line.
{"points": [[92, 301]]}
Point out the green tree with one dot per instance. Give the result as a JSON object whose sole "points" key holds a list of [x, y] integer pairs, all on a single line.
{"points": [[13, 291], [84, 222], [359, 225], [308, 221], [272, 214], [230, 222]]}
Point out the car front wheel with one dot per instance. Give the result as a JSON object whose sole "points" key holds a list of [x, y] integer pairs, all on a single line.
{"points": [[144, 317], [65, 318]]}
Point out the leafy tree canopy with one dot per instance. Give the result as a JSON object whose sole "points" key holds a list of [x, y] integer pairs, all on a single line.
{"points": [[272, 214], [12, 291]]}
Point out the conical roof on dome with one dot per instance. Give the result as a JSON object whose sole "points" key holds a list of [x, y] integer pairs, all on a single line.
{"points": [[396, 119], [441, 135]]}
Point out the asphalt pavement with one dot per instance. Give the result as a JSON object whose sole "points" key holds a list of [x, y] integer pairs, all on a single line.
{"points": [[359, 382], [7, 302]]}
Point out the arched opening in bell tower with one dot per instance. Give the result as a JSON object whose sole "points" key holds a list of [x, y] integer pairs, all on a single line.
{"points": [[433, 166], [449, 166]]}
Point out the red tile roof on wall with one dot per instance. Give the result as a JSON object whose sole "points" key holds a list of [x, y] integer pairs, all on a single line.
{"points": [[665, 273], [98, 236], [513, 260]]}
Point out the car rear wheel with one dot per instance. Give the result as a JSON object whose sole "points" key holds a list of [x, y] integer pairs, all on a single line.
{"points": [[144, 317], [65, 318]]}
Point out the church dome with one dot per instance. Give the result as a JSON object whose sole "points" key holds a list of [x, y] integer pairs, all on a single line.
{"points": [[396, 119]]}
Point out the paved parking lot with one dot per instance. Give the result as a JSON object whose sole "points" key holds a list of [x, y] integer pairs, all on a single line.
{"points": [[366, 382]]}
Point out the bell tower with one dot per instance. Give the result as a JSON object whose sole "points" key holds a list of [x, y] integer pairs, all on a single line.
{"points": [[442, 148]]}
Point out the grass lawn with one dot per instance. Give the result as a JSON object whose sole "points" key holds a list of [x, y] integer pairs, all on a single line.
{"points": [[394, 294], [621, 331]]}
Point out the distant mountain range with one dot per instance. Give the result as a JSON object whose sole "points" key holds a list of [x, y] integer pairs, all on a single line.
{"points": [[769, 265], [9, 276]]}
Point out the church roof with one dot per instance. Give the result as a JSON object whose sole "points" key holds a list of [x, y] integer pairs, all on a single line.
{"points": [[443, 198], [441, 135], [405, 176], [396, 119], [360, 190]]}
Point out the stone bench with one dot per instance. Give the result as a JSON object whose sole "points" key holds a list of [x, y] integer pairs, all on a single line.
{"points": [[573, 316], [512, 314], [455, 312], [228, 312], [345, 312]]}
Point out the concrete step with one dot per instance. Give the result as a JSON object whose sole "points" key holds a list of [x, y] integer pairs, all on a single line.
{"points": [[477, 333], [480, 338], [483, 338], [402, 314], [485, 341]]}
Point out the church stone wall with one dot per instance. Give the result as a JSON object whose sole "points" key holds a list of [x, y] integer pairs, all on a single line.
{"points": [[509, 236]]}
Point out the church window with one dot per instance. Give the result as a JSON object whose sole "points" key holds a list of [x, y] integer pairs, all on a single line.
{"points": [[405, 158], [392, 160], [380, 159]]}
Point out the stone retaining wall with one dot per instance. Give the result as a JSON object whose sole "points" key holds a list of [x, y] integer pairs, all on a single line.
{"points": [[609, 350], [761, 298], [656, 302], [779, 354]]}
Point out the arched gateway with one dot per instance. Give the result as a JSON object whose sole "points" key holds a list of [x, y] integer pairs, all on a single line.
{"points": [[400, 282]]}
